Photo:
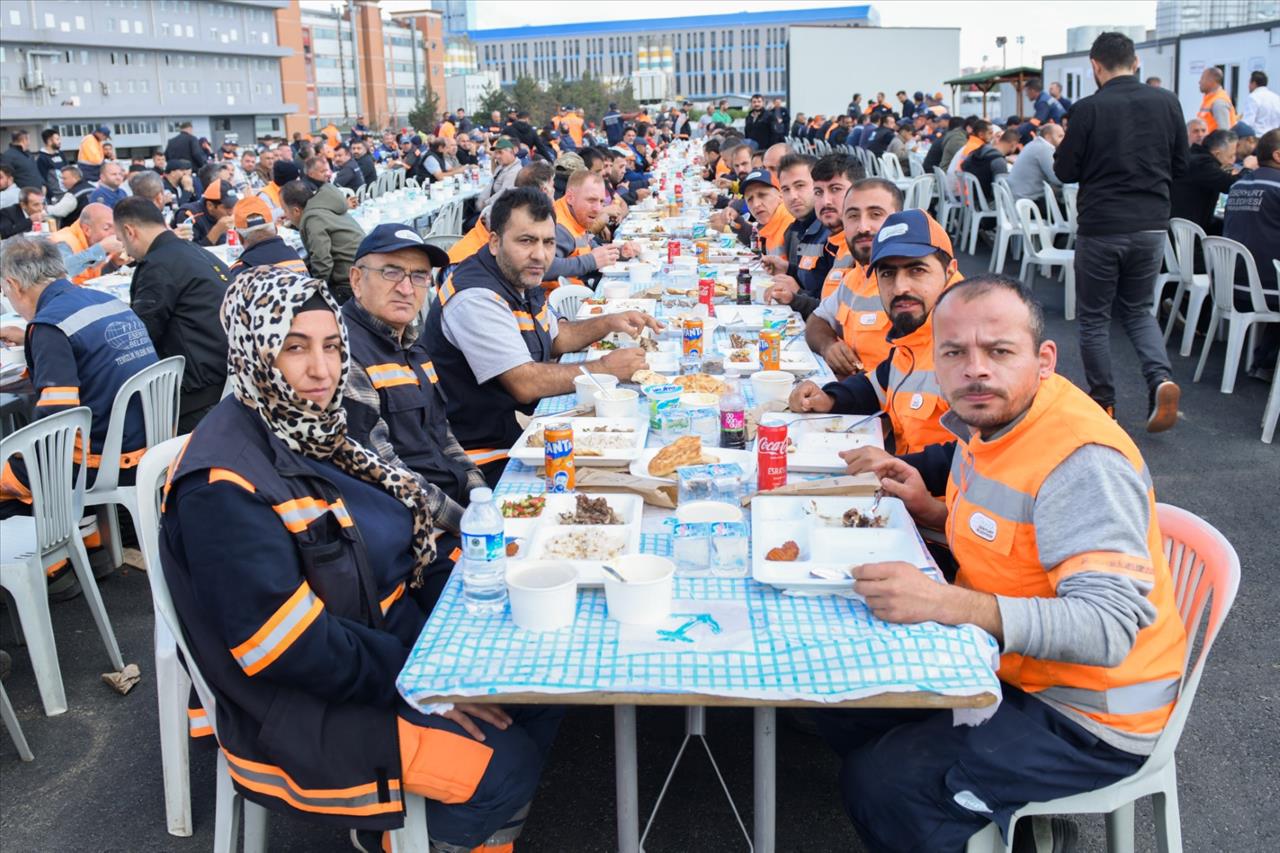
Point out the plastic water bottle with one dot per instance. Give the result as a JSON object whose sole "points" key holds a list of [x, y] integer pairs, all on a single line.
{"points": [[484, 555], [233, 245]]}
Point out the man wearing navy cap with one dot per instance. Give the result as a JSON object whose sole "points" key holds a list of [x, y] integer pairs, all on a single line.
{"points": [[913, 263], [764, 203], [395, 405]]}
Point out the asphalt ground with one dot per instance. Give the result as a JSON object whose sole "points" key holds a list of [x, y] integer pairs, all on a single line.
{"points": [[96, 785]]}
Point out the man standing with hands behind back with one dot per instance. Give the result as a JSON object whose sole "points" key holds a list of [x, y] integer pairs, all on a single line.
{"points": [[1125, 181]]}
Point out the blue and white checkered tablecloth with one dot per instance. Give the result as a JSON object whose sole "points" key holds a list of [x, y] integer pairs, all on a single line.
{"points": [[822, 648], [812, 648]]}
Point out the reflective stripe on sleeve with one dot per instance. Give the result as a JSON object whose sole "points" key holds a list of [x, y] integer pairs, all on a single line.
{"points": [[60, 395], [390, 375], [279, 632]]}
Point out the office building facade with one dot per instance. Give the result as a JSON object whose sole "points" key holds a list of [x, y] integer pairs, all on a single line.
{"points": [[143, 66], [1179, 17], [375, 68], [702, 57]]}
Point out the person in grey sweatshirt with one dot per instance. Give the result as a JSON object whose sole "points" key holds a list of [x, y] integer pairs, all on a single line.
{"points": [[1050, 516]]}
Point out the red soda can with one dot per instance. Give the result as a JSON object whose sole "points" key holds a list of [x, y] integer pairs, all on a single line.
{"points": [[673, 250], [707, 294], [692, 335], [558, 441], [771, 456], [770, 349]]}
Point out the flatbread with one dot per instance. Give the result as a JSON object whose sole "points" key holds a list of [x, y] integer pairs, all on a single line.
{"points": [[686, 450], [645, 376]]}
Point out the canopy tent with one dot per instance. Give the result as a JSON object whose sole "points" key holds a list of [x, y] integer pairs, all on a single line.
{"points": [[985, 81]]}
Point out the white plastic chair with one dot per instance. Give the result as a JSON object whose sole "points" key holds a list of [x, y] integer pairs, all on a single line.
{"points": [[979, 208], [566, 299], [13, 727], [1169, 272], [1007, 225], [1206, 572], [916, 163], [919, 193], [1055, 221], [158, 387], [30, 544], [173, 683], [1271, 413], [442, 241], [891, 167], [950, 205], [1038, 249], [1221, 255], [1193, 285]]}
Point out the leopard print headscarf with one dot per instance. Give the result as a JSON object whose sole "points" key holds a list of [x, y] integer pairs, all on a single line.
{"points": [[257, 312]]}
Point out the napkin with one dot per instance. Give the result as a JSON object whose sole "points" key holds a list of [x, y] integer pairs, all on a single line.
{"points": [[659, 493], [862, 484]]}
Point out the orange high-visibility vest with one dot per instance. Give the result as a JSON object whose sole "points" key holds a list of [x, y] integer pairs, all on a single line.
{"points": [[73, 235], [470, 243], [90, 152], [721, 167], [582, 244], [842, 264], [574, 122], [912, 397], [991, 498], [447, 130], [1206, 110], [864, 324], [775, 232]]}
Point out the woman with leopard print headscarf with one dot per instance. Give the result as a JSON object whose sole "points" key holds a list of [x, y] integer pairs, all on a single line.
{"points": [[294, 557]]}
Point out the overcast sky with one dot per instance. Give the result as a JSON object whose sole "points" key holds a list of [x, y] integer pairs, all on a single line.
{"points": [[1043, 24]]}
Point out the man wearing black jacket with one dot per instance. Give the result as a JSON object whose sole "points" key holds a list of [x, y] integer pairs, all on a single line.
{"points": [[1125, 145], [1209, 173], [177, 292], [185, 146], [759, 126], [17, 158]]}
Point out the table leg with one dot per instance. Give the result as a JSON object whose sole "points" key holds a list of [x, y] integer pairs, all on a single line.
{"points": [[628, 789], [766, 746]]}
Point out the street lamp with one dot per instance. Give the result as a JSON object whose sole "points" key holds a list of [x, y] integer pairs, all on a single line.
{"points": [[1020, 40], [1001, 41]]}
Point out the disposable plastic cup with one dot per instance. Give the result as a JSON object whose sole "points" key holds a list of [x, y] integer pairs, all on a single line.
{"points": [[645, 598], [543, 595], [586, 389]]}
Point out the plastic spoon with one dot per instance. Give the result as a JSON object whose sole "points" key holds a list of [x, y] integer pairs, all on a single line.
{"points": [[591, 376], [614, 573]]}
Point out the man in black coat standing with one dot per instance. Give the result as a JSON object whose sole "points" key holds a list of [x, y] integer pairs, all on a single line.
{"points": [[185, 146], [1125, 145], [759, 127]]}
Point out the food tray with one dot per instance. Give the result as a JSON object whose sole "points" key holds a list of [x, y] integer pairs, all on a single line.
{"points": [[745, 458], [826, 549], [535, 456], [533, 535], [614, 306], [818, 440]]}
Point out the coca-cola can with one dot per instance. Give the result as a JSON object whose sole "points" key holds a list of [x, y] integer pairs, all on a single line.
{"points": [[771, 456]]}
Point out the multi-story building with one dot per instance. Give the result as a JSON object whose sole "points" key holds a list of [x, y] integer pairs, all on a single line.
{"points": [[459, 15], [143, 66], [700, 57], [375, 69], [1082, 38], [1179, 17]]}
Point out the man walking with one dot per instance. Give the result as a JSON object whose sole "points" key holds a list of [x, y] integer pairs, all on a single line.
{"points": [[1123, 205]]}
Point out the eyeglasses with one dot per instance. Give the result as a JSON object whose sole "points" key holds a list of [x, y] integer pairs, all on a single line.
{"points": [[395, 275]]}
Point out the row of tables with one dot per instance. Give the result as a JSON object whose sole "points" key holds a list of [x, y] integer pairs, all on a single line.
{"points": [[798, 650]]}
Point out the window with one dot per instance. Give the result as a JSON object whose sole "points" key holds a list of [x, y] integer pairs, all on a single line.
{"points": [[49, 21], [15, 18], [144, 87], [191, 33], [131, 87], [88, 87], [117, 87], [137, 27], [79, 22], [111, 23]]}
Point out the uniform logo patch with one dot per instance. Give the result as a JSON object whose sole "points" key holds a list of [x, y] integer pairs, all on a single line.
{"points": [[892, 231], [917, 400], [983, 526], [867, 319], [406, 234]]}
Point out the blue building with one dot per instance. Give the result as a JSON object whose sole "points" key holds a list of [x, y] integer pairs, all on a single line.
{"points": [[700, 57]]}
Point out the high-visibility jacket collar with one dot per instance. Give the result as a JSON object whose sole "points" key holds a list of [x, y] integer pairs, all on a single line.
{"points": [[564, 216], [73, 235], [776, 228]]}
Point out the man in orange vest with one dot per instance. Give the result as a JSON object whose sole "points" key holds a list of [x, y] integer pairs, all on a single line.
{"points": [[91, 155], [764, 202], [913, 264], [850, 327], [1051, 516], [1216, 109], [578, 254], [89, 244]]}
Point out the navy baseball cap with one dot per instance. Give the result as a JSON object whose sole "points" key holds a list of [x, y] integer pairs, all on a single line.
{"points": [[1244, 131], [392, 237], [104, 130], [909, 234], [758, 176]]}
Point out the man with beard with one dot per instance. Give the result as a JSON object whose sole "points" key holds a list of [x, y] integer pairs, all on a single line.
{"points": [[494, 341], [850, 327], [795, 182], [1052, 519], [823, 254], [913, 264], [49, 163]]}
